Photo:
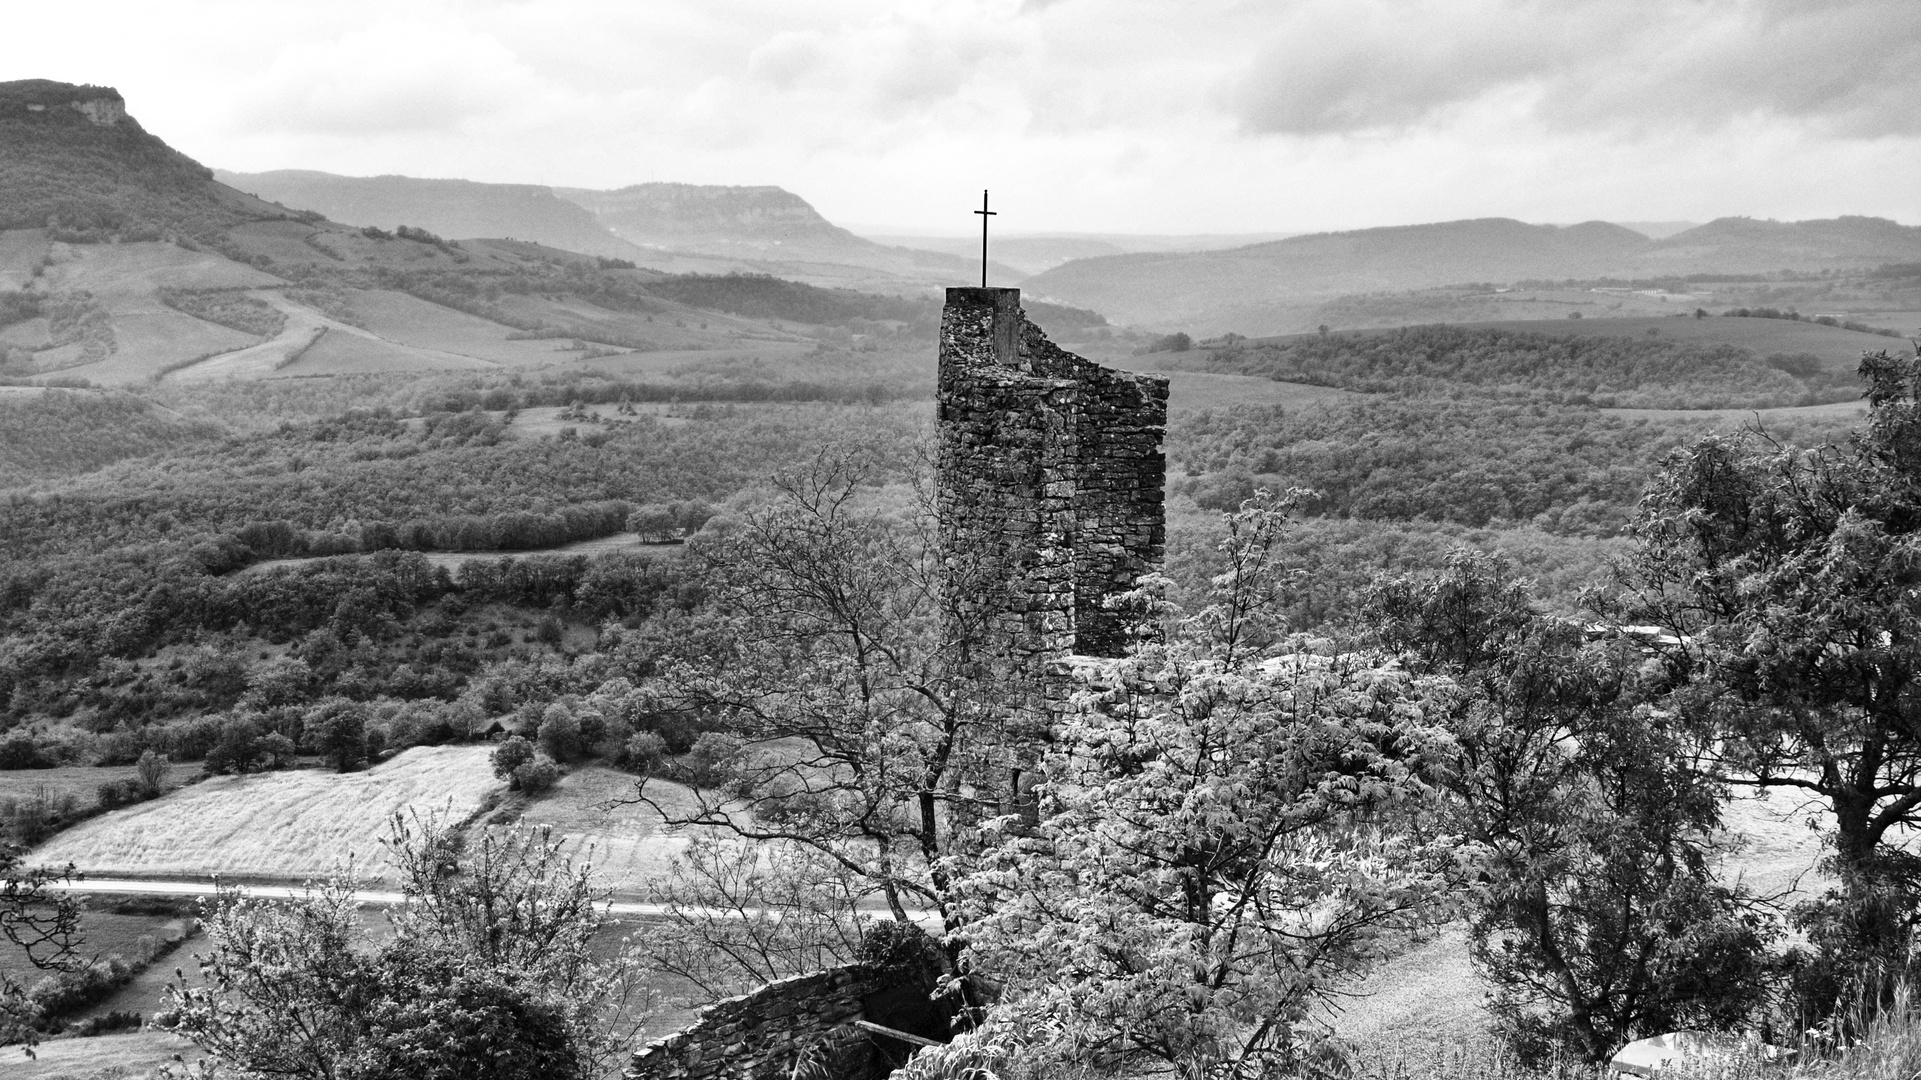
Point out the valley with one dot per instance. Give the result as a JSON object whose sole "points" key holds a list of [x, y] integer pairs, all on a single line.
{"points": [[327, 499]]}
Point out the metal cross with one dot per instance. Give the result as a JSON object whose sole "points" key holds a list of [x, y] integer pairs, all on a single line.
{"points": [[985, 213]]}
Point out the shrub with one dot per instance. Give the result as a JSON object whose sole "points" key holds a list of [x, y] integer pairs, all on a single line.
{"points": [[712, 761], [113, 794], [238, 748], [21, 752], [559, 733], [509, 756], [644, 753], [151, 771], [537, 775]]}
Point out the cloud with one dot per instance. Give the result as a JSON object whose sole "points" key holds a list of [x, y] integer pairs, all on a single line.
{"points": [[393, 77], [1848, 67]]}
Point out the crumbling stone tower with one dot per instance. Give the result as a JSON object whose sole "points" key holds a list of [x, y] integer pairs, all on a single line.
{"points": [[1050, 492]]}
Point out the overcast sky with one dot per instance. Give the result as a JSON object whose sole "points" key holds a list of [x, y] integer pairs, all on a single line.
{"points": [[1081, 115]]}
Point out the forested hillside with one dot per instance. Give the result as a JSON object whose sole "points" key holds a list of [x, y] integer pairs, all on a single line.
{"points": [[1648, 372]]}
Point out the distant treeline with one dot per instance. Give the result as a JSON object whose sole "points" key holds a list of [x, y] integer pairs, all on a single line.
{"points": [[519, 530], [1824, 320], [231, 308], [1608, 372]]}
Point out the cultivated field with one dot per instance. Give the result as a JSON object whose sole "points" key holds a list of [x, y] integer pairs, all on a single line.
{"points": [[287, 825], [112, 270], [409, 320], [625, 844]]}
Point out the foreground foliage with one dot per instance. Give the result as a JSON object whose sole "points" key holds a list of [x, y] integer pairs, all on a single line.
{"points": [[487, 973], [1225, 831]]}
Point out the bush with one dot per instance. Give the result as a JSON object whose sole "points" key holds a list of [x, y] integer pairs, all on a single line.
{"points": [[712, 761], [892, 945], [644, 753], [21, 752], [113, 794], [510, 756], [238, 748], [537, 775], [559, 733], [39, 815], [151, 772]]}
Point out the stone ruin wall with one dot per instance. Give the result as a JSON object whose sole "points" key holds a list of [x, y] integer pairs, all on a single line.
{"points": [[1050, 485], [1049, 496], [762, 1035]]}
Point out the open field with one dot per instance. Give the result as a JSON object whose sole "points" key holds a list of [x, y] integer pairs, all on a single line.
{"points": [[294, 825], [81, 781], [453, 560], [122, 1057], [110, 270], [409, 320], [106, 933], [1193, 391], [625, 844], [21, 253]]}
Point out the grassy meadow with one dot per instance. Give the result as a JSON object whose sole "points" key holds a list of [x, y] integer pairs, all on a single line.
{"points": [[301, 824]]}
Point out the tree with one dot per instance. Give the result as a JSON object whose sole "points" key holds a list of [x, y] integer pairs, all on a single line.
{"points": [[44, 924], [488, 975], [1225, 831], [510, 755], [151, 773], [852, 730], [559, 733], [1789, 584], [1598, 918], [337, 729], [237, 750]]}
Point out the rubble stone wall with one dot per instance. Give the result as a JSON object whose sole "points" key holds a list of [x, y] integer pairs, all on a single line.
{"points": [[761, 1036], [1050, 479]]}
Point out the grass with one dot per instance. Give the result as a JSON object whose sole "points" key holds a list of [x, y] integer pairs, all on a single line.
{"points": [[103, 1057], [276, 826], [626, 844], [81, 781]]}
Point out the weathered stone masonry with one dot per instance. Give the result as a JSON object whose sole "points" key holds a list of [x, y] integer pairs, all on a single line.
{"points": [[1049, 496], [764, 1034], [1050, 479]]}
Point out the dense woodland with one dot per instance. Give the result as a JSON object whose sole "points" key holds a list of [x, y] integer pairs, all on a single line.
{"points": [[1608, 372]]}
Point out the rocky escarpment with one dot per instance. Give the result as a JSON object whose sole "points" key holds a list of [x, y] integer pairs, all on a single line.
{"points": [[72, 159], [451, 208], [679, 214]]}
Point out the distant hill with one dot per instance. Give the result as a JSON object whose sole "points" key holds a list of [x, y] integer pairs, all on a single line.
{"points": [[1659, 230], [701, 215], [1245, 288], [679, 228], [1751, 245], [780, 232], [1265, 288], [1031, 254], [71, 158], [452, 208]]}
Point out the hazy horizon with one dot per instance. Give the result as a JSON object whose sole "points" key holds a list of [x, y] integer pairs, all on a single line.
{"points": [[1126, 116]]}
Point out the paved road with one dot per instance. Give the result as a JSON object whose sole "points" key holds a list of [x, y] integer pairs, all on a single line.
{"points": [[372, 896]]}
